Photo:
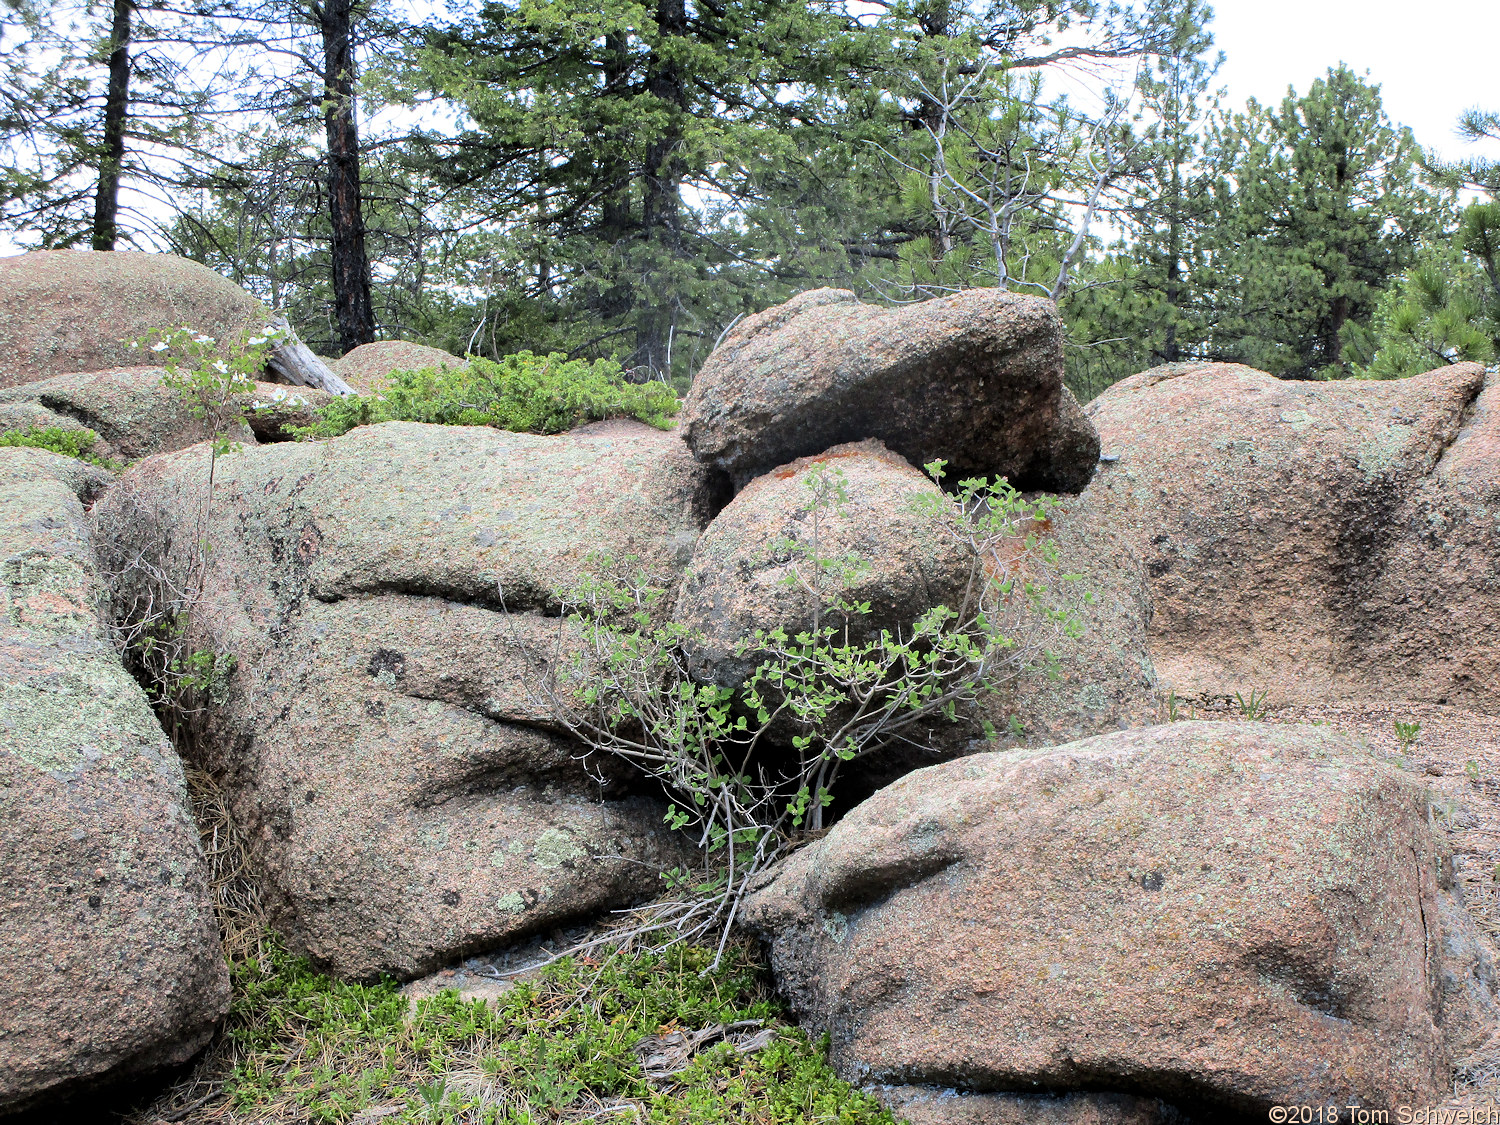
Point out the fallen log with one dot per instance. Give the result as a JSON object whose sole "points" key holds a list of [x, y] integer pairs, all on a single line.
{"points": [[294, 362]]}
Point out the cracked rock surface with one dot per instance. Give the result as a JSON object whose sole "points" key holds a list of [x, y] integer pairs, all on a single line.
{"points": [[135, 415], [407, 799]]}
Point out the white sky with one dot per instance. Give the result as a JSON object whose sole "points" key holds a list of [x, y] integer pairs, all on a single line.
{"points": [[1432, 60]]}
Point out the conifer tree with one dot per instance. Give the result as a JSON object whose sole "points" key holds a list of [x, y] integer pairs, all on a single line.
{"points": [[104, 120], [630, 142], [1320, 204]]}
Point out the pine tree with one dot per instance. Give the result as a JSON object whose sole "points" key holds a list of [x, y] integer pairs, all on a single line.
{"points": [[1447, 308], [1320, 204], [104, 119], [628, 150]]}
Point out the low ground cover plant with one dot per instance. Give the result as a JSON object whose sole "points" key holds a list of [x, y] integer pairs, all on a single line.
{"points": [[567, 1044], [522, 392], [70, 443]]}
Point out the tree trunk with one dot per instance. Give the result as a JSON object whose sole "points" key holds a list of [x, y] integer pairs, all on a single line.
{"points": [[1171, 353], [1338, 316], [116, 104], [661, 212], [353, 307], [614, 215]]}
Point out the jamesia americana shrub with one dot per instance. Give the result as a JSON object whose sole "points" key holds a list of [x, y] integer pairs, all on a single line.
{"points": [[523, 392]]}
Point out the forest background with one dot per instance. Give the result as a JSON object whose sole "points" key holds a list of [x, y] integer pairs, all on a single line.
{"points": [[626, 178]]}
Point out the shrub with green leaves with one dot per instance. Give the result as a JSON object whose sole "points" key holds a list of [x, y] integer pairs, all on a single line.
{"points": [[70, 443], [818, 700], [522, 392]]}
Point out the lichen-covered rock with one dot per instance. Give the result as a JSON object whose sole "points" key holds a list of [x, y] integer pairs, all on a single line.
{"points": [[75, 310], [744, 574], [136, 415], [1223, 917], [974, 379], [109, 953], [407, 798], [1104, 678], [368, 366], [1313, 540]]}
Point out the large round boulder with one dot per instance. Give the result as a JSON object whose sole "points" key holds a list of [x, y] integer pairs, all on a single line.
{"points": [[385, 738], [1211, 918], [1312, 540], [974, 379], [368, 366], [893, 542], [76, 310], [109, 951], [755, 566]]}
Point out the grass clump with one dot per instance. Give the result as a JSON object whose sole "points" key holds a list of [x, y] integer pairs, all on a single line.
{"points": [[559, 1046], [70, 443], [522, 392]]}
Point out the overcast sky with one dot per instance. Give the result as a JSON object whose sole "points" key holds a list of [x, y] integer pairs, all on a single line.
{"points": [[1432, 60]]}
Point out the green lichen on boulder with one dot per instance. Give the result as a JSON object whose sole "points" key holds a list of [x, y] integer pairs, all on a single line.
{"points": [[109, 955], [407, 798]]}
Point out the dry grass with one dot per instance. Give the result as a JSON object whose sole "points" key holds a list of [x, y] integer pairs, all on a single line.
{"points": [[243, 934]]}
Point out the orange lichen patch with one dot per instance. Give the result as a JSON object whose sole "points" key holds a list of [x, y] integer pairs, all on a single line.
{"points": [[1008, 557], [851, 451]]}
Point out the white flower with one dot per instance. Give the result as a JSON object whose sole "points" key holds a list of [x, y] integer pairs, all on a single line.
{"points": [[160, 346], [259, 405], [135, 343], [221, 367], [254, 340], [204, 340], [297, 400], [278, 396]]}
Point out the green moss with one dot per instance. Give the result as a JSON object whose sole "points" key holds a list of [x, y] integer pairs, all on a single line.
{"points": [[522, 392], [56, 439], [306, 1047]]}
